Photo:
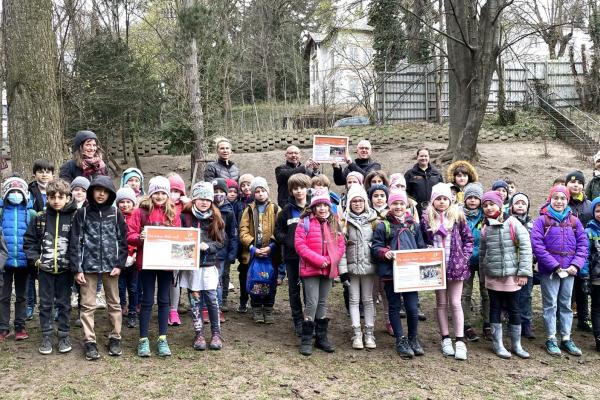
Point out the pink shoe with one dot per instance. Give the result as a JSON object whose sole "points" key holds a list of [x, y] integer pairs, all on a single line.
{"points": [[174, 318], [389, 329]]}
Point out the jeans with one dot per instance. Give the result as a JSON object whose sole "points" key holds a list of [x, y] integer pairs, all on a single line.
{"points": [[55, 290], [316, 291], [451, 295], [208, 297], [467, 299], [508, 301], [243, 270], [293, 273], [151, 280], [88, 305], [19, 277], [411, 305], [581, 300], [525, 301], [556, 294], [128, 281], [31, 292], [596, 310], [361, 288]]}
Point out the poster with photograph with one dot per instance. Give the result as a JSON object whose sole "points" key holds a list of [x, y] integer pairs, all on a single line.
{"points": [[417, 270], [167, 248], [330, 149]]}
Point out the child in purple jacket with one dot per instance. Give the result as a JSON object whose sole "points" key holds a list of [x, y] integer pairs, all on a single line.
{"points": [[560, 245]]}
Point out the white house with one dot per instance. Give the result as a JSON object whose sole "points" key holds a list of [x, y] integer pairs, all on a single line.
{"points": [[340, 59]]}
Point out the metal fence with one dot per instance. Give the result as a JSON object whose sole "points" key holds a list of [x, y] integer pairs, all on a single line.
{"points": [[409, 93]]}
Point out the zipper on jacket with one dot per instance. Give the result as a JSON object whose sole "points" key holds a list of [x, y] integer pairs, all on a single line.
{"points": [[55, 244], [322, 239], [16, 233], [101, 242]]}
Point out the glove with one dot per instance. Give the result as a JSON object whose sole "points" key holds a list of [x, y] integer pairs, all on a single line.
{"points": [[585, 286], [130, 260], [345, 279]]}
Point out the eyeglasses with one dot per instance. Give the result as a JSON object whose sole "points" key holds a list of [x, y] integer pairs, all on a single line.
{"points": [[357, 200]]}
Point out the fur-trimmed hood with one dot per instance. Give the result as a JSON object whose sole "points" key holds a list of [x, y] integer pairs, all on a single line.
{"points": [[462, 164]]}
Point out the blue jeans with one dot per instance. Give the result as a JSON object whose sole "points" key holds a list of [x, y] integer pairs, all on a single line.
{"points": [[556, 294], [150, 280], [525, 301], [128, 283], [411, 305], [208, 297]]}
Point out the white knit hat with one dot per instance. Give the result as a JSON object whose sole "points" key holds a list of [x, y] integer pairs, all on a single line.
{"points": [[15, 183], [203, 190], [440, 189], [159, 184]]}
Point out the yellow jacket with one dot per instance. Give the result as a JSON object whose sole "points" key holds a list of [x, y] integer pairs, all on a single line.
{"points": [[249, 226]]}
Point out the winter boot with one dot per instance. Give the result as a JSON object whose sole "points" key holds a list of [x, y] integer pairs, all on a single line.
{"points": [[268, 315], [321, 341], [515, 337], [370, 337], [257, 315], [357, 342], [306, 347], [298, 327], [497, 344]]}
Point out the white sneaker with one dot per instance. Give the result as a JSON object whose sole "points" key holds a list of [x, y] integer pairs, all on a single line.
{"points": [[447, 348], [231, 287], [461, 351], [74, 299], [100, 302]]}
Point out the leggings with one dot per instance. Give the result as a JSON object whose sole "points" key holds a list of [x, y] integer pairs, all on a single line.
{"points": [[361, 287], [508, 301], [316, 291], [450, 296]]}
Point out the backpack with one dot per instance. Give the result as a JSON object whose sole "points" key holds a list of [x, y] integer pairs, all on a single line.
{"points": [[261, 277], [549, 223], [511, 228]]}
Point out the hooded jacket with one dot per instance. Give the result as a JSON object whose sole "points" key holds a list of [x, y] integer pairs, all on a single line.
{"points": [[581, 209], [285, 229], [47, 239], [591, 268], [364, 166], [359, 234], [15, 220], [249, 228], [98, 242], [218, 169], [36, 197], [462, 164]]}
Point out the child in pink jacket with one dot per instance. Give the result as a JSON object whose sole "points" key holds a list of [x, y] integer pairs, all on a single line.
{"points": [[320, 245]]}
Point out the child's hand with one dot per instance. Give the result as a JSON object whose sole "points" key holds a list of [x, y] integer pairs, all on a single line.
{"points": [[203, 246], [521, 280], [143, 235], [389, 255], [80, 278], [116, 271], [572, 270]]}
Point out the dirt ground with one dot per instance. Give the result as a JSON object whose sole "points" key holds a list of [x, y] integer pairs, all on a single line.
{"points": [[262, 362]]}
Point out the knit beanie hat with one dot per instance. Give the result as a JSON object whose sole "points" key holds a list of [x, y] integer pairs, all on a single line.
{"points": [[125, 193], [15, 183], [321, 196], [232, 184], [81, 137], [159, 184], [494, 197], [562, 189], [473, 190], [519, 196], [440, 189], [177, 183], [595, 202], [220, 183], [357, 191], [245, 178], [499, 184], [575, 176], [257, 182], [131, 173], [397, 180], [80, 181], [377, 187], [203, 190], [397, 195], [357, 175]]}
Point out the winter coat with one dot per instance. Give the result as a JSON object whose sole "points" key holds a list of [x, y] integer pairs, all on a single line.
{"points": [[471, 172], [141, 217], [312, 249], [208, 258], [282, 176], [36, 197], [499, 254], [357, 259], [131, 250], [592, 189], [475, 225], [419, 184], [232, 237], [98, 241], [591, 268], [70, 170], [461, 248], [359, 165], [218, 169], [249, 227], [47, 239], [3, 252], [285, 229], [582, 210], [15, 220], [404, 236], [238, 209], [559, 245]]}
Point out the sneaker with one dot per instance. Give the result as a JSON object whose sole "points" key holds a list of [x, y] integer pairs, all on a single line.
{"points": [[570, 347], [163, 348], [100, 302], [205, 317], [389, 328], [487, 332], [199, 342], [403, 348], [552, 347], [242, 309], [221, 316], [91, 351], [447, 348], [416, 347], [461, 351], [224, 307], [29, 313], [422, 316], [231, 287], [257, 315], [174, 319], [584, 326], [471, 335], [114, 347], [64, 345], [74, 300], [143, 349], [78, 323], [124, 310], [3, 335], [46, 346], [21, 335], [215, 342], [131, 321]]}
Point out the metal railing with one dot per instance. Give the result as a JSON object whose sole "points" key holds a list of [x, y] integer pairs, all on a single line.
{"points": [[585, 121]]}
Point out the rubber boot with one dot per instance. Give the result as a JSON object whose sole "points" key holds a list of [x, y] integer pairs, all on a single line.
{"points": [[306, 347], [321, 341], [357, 342], [515, 337], [497, 344]]}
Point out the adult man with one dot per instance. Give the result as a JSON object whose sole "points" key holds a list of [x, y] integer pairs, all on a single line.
{"points": [[363, 164], [292, 166], [223, 167]]}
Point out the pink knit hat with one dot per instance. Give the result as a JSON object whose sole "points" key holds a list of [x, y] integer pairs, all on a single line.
{"points": [[561, 189], [357, 175], [320, 196], [494, 197], [397, 180], [397, 195], [177, 183], [440, 189]]}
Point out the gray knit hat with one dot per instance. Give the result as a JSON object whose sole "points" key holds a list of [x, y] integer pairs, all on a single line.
{"points": [[81, 182], [473, 190], [257, 182], [125, 193]]}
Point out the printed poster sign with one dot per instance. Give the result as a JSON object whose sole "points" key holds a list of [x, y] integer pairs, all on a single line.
{"points": [[330, 149], [168, 248], [418, 270]]}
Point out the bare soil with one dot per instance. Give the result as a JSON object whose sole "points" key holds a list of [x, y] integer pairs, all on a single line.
{"points": [[260, 361]]}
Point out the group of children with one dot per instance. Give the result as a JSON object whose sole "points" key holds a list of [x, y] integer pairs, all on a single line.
{"points": [[89, 232]]}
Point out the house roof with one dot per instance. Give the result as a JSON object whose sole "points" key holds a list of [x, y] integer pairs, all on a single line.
{"points": [[319, 37], [312, 37]]}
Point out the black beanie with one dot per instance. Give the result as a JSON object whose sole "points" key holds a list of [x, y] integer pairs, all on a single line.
{"points": [[575, 176]]}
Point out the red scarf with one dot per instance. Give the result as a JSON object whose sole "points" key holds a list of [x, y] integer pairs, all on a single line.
{"points": [[92, 165]]}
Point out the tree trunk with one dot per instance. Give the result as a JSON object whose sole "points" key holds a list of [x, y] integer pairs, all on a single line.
{"points": [[33, 109]]}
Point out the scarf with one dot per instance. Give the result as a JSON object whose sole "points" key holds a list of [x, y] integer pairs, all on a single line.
{"points": [[559, 216], [523, 219], [361, 218], [577, 198], [201, 215], [91, 165], [442, 231], [476, 213]]}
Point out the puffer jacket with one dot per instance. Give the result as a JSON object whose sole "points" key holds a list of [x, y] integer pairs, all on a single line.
{"points": [[312, 249], [218, 169], [499, 255], [592, 189], [591, 268], [249, 227], [47, 239], [559, 245], [3, 253], [402, 236], [98, 241], [208, 258], [475, 224], [15, 219], [582, 210], [285, 229], [357, 259], [141, 217], [461, 248]]}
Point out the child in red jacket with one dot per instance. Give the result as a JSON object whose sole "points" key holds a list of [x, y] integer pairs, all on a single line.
{"points": [[128, 280]]}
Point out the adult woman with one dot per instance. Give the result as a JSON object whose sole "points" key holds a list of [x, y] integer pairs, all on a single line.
{"points": [[86, 160], [421, 178]]}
